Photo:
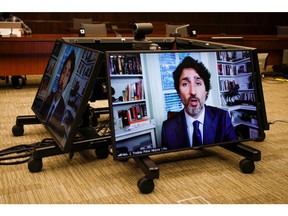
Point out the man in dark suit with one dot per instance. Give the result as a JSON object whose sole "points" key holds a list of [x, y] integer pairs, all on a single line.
{"points": [[54, 105], [197, 124]]}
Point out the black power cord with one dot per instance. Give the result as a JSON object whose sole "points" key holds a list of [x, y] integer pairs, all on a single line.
{"points": [[282, 121], [17, 154]]}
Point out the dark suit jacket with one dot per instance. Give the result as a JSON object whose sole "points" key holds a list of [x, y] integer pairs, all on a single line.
{"points": [[217, 128], [55, 122]]}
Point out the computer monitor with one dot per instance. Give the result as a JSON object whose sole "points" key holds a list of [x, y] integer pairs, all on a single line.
{"points": [[65, 89], [148, 117]]}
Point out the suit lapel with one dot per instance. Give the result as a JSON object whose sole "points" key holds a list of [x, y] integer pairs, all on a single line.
{"points": [[209, 129], [181, 131]]}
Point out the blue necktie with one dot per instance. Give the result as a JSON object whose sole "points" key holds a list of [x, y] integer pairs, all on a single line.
{"points": [[197, 139]]}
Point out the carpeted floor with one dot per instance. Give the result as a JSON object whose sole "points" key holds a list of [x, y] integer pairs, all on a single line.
{"points": [[190, 177]]}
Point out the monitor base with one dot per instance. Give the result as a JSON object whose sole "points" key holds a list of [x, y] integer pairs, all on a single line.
{"points": [[151, 170], [88, 139]]}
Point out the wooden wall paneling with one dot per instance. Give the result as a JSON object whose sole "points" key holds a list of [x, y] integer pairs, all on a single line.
{"points": [[230, 23]]}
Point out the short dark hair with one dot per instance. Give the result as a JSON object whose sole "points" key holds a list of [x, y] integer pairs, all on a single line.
{"points": [[71, 57], [189, 62]]}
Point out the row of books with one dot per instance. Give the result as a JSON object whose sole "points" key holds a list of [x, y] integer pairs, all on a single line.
{"points": [[125, 64], [133, 91], [227, 85], [135, 115], [241, 98], [232, 56], [232, 69]]}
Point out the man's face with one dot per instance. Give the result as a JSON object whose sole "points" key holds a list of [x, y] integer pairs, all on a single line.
{"points": [[192, 92], [64, 78]]}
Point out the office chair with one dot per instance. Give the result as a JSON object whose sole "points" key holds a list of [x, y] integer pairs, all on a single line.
{"points": [[171, 29], [283, 30], [94, 29], [77, 22]]}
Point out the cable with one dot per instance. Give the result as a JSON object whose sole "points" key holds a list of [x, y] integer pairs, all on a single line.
{"points": [[20, 154], [282, 121]]}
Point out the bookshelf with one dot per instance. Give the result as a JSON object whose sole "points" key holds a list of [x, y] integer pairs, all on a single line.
{"points": [[134, 130], [237, 90]]}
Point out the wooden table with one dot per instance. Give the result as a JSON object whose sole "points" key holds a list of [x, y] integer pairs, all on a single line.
{"points": [[25, 55], [29, 54]]}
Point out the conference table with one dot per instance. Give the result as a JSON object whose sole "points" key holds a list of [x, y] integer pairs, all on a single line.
{"points": [[26, 55], [29, 54]]}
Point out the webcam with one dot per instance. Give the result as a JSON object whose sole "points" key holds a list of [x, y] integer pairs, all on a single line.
{"points": [[141, 29]]}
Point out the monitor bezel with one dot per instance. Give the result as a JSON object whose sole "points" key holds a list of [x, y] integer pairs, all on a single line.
{"points": [[120, 43], [261, 112]]}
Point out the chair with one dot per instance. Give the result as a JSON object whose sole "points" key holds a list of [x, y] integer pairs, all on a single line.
{"points": [[283, 30], [170, 29], [94, 29], [262, 59], [77, 22]]}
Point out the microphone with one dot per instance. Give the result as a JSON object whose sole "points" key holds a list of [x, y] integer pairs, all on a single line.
{"points": [[176, 34], [115, 28]]}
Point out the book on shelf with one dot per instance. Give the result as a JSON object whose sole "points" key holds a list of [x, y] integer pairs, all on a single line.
{"points": [[133, 91], [125, 64], [135, 115]]}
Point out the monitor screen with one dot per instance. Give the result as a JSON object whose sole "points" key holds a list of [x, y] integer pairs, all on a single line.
{"points": [[65, 88], [165, 101]]}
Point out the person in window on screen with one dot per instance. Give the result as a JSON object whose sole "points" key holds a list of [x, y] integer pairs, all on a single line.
{"points": [[212, 125], [54, 106], [8, 17]]}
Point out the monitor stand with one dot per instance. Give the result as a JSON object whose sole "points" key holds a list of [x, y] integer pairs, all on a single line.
{"points": [[251, 155], [88, 139], [151, 171]]}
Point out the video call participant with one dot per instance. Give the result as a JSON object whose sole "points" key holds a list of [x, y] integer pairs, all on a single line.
{"points": [[192, 83], [54, 106], [8, 17]]}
